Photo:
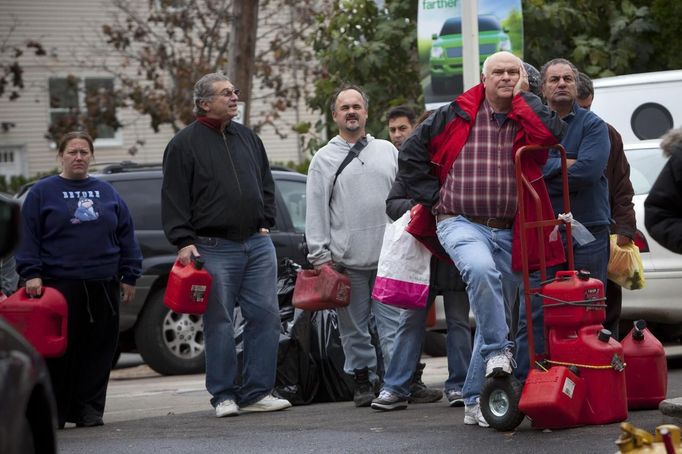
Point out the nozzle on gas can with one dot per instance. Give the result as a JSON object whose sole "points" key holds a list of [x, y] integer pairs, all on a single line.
{"points": [[638, 330], [198, 263]]}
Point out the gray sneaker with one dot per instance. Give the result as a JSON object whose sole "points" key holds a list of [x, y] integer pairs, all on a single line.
{"points": [[267, 403], [455, 398], [388, 401], [499, 364], [473, 416]]}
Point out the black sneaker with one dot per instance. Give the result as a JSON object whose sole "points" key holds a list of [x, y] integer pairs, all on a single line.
{"points": [[419, 392], [364, 391], [388, 401], [90, 422]]}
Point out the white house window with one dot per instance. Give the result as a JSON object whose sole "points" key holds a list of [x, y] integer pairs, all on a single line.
{"points": [[69, 99], [12, 160]]}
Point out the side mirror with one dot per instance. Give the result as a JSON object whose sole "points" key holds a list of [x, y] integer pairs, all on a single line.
{"points": [[434, 36], [9, 224]]}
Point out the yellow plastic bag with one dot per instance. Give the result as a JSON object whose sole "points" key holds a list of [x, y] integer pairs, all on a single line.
{"points": [[625, 265]]}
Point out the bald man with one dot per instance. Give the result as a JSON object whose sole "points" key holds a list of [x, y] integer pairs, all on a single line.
{"points": [[471, 201]]}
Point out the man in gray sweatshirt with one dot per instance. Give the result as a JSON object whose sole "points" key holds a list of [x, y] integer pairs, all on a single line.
{"points": [[345, 221]]}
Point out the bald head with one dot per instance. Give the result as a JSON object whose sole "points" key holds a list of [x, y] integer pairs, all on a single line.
{"points": [[499, 56], [501, 73]]}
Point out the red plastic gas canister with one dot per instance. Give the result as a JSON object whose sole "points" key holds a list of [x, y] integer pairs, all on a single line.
{"points": [[553, 398], [646, 374], [42, 321], [188, 289], [599, 359], [568, 300], [323, 288]]}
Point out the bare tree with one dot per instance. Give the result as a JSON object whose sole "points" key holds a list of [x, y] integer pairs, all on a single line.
{"points": [[157, 50]]}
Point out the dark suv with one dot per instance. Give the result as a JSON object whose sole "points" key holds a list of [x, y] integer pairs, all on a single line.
{"points": [[172, 343]]}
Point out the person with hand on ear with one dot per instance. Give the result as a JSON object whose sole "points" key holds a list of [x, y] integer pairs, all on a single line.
{"points": [[459, 166], [78, 238]]}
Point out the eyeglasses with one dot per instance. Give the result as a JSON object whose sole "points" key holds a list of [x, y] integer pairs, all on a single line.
{"points": [[228, 93]]}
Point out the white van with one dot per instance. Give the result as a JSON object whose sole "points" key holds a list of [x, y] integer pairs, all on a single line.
{"points": [[640, 106]]}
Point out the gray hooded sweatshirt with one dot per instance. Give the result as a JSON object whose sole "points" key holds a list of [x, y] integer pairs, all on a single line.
{"points": [[350, 230]]}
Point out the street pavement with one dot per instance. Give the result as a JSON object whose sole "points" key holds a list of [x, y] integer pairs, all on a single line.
{"points": [[149, 413]]}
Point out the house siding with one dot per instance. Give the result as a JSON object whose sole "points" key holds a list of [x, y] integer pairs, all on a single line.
{"points": [[65, 28]]}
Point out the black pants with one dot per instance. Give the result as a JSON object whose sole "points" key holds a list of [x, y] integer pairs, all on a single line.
{"points": [[80, 376]]}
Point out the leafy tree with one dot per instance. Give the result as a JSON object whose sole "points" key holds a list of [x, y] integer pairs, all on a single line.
{"points": [[601, 37], [375, 49], [668, 41]]}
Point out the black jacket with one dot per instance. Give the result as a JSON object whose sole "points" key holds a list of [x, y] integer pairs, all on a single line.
{"points": [[663, 205], [216, 184]]}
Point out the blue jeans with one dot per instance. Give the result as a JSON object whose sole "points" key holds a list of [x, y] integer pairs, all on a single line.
{"points": [[483, 257], [245, 274], [594, 257], [409, 339], [354, 322]]}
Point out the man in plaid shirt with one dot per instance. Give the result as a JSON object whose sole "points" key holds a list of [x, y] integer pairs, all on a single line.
{"points": [[459, 165]]}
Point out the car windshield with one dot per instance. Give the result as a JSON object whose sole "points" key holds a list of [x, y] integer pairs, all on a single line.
{"points": [[453, 26], [645, 165]]}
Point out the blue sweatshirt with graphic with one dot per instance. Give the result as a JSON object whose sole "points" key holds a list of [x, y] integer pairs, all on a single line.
{"points": [[77, 229]]}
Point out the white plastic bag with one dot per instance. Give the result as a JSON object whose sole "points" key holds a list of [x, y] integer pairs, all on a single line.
{"points": [[404, 268]]}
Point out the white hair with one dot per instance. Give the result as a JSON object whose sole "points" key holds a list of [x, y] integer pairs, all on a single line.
{"points": [[487, 61]]}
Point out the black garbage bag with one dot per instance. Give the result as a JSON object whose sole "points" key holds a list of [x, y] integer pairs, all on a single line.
{"points": [[297, 372], [334, 384]]}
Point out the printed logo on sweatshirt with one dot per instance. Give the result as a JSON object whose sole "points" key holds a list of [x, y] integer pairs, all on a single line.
{"points": [[85, 210]]}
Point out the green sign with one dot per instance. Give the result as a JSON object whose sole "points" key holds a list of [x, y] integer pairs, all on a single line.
{"points": [[439, 34]]}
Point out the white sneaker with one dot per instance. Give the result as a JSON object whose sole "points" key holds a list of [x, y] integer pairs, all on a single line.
{"points": [[473, 416], [499, 364], [267, 403], [226, 408]]}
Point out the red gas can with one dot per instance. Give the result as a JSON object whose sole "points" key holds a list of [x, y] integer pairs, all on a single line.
{"points": [[646, 374], [599, 359], [188, 288], [553, 398], [323, 288], [42, 321], [573, 299]]}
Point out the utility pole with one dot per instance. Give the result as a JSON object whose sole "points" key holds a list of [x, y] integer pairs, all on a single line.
{"points": [[243, 49], [471, 68]]}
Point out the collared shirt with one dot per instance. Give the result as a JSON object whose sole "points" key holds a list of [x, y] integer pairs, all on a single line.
{"points": [[481, 181]]}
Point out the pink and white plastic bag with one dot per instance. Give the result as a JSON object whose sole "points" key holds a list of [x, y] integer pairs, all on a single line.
{"points": [[404, 268]]}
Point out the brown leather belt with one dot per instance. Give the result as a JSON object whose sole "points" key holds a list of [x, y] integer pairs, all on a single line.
{"points": [[493, 223]]}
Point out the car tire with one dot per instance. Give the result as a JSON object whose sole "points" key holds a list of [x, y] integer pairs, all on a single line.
{"points": [[435, 344], [169, 342]]}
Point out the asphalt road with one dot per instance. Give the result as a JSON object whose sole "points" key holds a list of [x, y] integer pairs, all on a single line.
{"points": [[148, 413]]}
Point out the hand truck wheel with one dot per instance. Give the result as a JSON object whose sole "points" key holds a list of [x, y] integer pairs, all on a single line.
{"points": [[500, 403]]}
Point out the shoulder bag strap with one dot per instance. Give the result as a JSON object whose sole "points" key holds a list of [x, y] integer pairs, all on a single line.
{"points": [[354, 152]]}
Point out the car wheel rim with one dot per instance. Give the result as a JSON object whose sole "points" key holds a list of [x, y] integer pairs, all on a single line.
{"points": [[183, 334], [499, 403]]}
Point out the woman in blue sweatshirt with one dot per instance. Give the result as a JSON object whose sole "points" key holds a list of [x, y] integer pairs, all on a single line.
{"points": [[78, 238]]}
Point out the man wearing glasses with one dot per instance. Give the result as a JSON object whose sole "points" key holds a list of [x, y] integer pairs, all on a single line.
{"points": [[218, 203]]}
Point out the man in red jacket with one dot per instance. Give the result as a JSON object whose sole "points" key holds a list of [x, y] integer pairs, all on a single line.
{"points": [[459, 165]]}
